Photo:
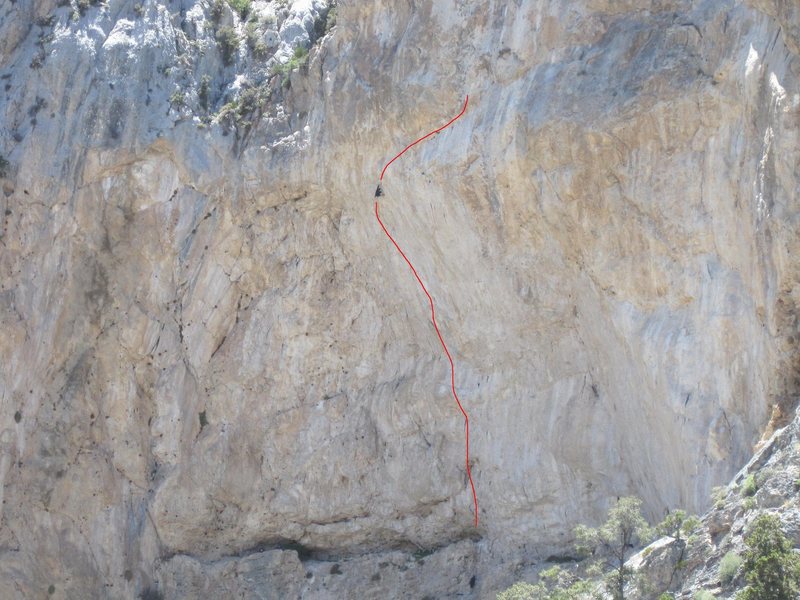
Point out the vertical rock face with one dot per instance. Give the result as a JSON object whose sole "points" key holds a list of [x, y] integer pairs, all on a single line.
{"points": [[216, 374]]}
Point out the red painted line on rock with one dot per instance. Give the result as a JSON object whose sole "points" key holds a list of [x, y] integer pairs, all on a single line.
{"points": [[450, 122], [430, 300]]}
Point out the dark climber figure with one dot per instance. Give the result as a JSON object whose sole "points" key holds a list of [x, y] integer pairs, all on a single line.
{"points": [[379, 191]]}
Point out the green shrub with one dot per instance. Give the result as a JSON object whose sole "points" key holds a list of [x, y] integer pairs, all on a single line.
{"points": [[254, 42], [704, 595], [239, 111], [202, 92], [676, 523], [250, 100], [561, 586], [242, 7], [300, 53], [728, 567], [718, 495], [749, 504], [260, 50], [771, 567], [177, 99], [749, 487], [522, 591], [666, 596], [228, 43], [215, 11], [298, 60]]}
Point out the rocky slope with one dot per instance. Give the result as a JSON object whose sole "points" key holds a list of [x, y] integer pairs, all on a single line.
{"points": [[217, 378], [685, 569]]}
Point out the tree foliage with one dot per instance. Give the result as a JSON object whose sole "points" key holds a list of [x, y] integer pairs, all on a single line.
{"points": [[613, 541], [523, 591], [554, 584], [242, 7], [607, 548], [771, 567], [676, 523]]}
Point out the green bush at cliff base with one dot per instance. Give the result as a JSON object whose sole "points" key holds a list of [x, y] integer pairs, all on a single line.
{"points": [[771, 567]]}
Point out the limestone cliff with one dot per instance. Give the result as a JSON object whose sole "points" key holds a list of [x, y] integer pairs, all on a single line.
{"points": [[216, 376]]}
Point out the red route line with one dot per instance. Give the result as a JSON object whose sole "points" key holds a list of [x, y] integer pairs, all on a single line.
{"points": [[433, 311], [450, 122]]}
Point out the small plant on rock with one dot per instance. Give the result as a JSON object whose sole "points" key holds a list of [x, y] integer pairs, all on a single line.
{"points": [[215, 11], [228, 43], [260, 50], [242, 7], [718, 494], [330, 22], [202, 92], [729, 566], [749, 487], [298, 60], [177, 99], [250, 100], [254, 42]]}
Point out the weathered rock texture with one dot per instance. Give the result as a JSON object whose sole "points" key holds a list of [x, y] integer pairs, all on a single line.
{"points": [[215, 372], [683, 568]]}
